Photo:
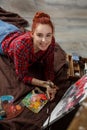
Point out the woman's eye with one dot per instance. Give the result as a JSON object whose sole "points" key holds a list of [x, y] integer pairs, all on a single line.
{"points": [[48, 35], [39, 35]]}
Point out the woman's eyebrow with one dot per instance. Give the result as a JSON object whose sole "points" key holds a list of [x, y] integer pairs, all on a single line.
{"points": [[42, 33], [49, 33]]}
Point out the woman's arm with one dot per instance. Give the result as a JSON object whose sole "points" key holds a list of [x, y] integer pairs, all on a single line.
{"points": [[21, 60], [38, 82]]}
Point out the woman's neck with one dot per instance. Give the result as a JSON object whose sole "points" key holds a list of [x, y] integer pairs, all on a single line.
{"points": [[36, 49]]}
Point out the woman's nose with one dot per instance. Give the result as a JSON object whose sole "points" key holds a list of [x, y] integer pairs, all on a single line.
{"points": [[43, 39]]}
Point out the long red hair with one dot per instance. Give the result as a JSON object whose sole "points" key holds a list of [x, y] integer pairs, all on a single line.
{"points": [[43, 18]]}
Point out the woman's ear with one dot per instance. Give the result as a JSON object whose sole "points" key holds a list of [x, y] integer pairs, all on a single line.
{"points": [[31, 34]]}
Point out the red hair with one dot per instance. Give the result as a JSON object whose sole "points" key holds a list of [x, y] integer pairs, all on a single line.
{"points": [[43, 18]]}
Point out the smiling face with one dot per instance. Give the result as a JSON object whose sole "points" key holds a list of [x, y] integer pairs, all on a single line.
{"points": [[42, 37]]}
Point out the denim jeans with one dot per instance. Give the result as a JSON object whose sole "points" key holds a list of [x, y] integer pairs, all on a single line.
{"points": [[5, 29]]}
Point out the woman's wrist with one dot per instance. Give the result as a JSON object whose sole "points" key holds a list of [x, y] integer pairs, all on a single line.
{"points": [[38, 82], [41, 83], [46, 84]]}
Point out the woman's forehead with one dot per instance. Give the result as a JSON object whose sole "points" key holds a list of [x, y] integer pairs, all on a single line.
{"points": [[43, 28]]}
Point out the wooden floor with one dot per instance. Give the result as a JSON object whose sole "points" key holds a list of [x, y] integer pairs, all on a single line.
{"points": [[70, 20]]}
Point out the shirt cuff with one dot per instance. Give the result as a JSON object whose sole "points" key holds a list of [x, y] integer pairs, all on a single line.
{"points": [[27, 80]]}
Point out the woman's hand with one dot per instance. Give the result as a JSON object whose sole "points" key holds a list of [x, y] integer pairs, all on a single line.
{"points": [[51, 89]]}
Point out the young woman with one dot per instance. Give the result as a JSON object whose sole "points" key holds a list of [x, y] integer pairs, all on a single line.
{"points": [[26, 48]]}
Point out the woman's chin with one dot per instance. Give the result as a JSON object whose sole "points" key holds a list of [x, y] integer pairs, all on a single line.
{"points": [[43, 49]]}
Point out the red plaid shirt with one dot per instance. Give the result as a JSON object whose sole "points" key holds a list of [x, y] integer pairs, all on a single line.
{"points": [[19, 47]]}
